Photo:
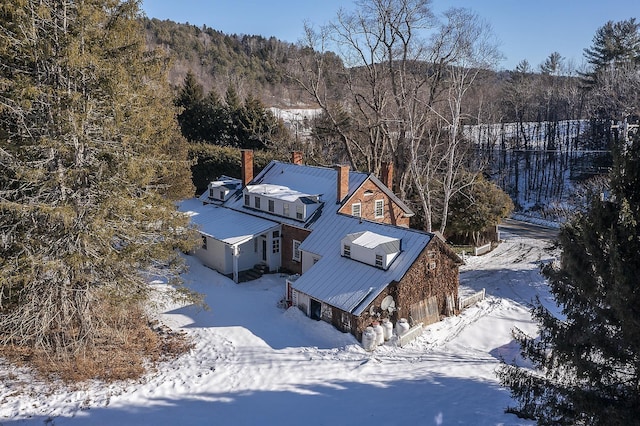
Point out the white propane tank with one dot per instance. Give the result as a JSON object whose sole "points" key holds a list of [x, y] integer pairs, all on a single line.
{"points": [[369, 339], [402, 326], [387, 327], [377, 328]]}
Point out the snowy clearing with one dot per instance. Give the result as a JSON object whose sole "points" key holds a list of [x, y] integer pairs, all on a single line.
{"points": [[254, 363]]}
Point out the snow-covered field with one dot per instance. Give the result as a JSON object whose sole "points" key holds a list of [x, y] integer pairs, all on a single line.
{"points": [[257, 364]]}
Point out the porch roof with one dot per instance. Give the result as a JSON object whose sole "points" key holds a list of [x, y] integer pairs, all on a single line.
{"points": [[226, 225]]}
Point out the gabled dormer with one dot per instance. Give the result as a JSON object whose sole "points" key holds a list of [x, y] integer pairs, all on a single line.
{"points": [[221, 189], [281, 201], [371, 248]]}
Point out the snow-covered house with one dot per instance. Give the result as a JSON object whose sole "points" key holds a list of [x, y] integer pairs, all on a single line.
{"points": [[343, 234]]}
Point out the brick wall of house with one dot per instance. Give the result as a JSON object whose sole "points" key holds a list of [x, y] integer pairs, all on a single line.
{"points": [[289, 234], [366, 195]]}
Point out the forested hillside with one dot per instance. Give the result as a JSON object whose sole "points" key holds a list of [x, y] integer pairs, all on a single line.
{"points": [[252, 64], [535, 130]]}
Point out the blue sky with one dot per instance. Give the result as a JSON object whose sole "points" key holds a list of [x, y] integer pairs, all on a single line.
{"points": [[525, 29]]}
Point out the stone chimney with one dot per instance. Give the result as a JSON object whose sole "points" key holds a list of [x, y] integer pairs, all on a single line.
{"points": [[386, 174], [342, 182], [296, 157], [247, 166]]}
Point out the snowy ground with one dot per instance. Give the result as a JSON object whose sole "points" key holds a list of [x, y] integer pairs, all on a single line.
{"points": [[256, 364]]}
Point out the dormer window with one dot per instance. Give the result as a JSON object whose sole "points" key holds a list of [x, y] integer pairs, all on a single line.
{"points": [[247, 200], [272, 206], [285, 210], [220, 189], [256, 202], [299, 212], [373, 249]]}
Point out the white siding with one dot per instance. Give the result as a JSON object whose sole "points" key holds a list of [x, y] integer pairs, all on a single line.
{"points": [[216, 256], [308, 260], [302, 302]]}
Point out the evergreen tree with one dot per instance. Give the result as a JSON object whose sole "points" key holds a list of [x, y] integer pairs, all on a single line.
{"points": [[587, 361], [615, 45], [91, 163], [190, 99], [478, 209]]}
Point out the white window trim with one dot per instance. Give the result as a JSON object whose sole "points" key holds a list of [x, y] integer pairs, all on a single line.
{"points": [[375, 210], [358, 207], [296, 251]]}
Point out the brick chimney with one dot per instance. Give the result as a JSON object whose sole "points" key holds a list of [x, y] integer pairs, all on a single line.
{"points": [[342, 188], [296, 157], [247, 166], [386, 174]]}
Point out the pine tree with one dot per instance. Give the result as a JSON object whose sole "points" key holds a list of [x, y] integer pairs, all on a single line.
{"points": [[190, 99], [587, 361], [615, 45], [91, 163]]}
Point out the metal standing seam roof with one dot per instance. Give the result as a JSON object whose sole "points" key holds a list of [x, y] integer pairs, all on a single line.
{"points": [[228, 226], [346, 283], [340, 282], [321, 181]]}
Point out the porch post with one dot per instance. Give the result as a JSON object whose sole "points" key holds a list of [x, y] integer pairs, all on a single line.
{"points": [[235, 250]]}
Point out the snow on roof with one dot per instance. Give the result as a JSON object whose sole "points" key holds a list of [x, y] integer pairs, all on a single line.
{"points": [[349, 285], [318, 181], [370, 239], [228, 226], [226, 182], [279, 192]]}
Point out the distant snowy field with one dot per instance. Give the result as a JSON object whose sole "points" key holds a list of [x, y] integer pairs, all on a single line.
{"points": [[256, 364]]}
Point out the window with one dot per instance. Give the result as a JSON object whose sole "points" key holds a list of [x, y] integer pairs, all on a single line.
{"points": [[271, 206], [246, 199], [346, 250], [356, 209], [296, 250], [379, 209], [285, 210], [275, 242], [378, 261], [299, 212], [210, 192], [276, 234], [315, 260], [204, 242], [222, 195], [256, 202]]}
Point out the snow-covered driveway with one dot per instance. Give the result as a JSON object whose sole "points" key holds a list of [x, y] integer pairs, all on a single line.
{"points": [[256, 364]]}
